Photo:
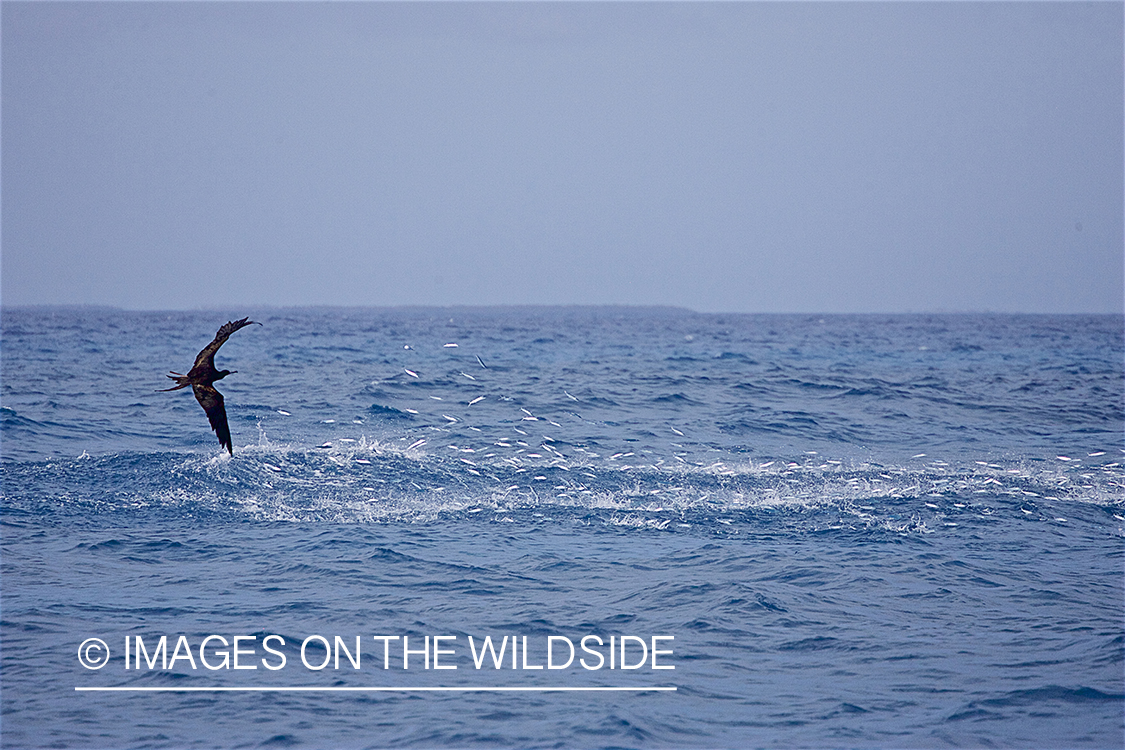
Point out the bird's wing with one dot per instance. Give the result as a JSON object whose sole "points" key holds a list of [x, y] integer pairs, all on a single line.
{"points": [[212, 403], [208, 354]]}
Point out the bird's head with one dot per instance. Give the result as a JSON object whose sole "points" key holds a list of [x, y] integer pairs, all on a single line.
{"points": [[223, 373]]}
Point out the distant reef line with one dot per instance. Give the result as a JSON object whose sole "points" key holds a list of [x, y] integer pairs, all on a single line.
{"points": [[221, 309]]}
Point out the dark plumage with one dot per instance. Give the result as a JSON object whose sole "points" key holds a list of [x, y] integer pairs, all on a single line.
{"points": [[202, 377]]}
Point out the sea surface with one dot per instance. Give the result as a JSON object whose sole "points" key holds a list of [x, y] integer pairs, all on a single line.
{"points": [[798, 531]]}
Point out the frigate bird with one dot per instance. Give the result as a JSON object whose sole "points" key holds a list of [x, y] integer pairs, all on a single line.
{"points": [[202, 376]]}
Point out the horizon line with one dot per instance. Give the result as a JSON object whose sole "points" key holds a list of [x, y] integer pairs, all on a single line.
{"points": [[531, 306]]}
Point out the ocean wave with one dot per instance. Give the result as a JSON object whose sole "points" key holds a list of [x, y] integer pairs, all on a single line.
{"points": [[356, 480]]}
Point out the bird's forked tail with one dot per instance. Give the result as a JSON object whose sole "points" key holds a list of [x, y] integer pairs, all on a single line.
{"points": [[181, 382]]}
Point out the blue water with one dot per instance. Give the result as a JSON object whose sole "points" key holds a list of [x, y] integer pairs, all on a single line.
{"points": [[858, 531]]}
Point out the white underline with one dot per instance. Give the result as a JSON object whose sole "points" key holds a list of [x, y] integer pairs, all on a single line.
{"points": [[309, 689]]}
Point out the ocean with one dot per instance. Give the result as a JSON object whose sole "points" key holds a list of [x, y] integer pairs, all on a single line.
{"points": [[563, 527]]}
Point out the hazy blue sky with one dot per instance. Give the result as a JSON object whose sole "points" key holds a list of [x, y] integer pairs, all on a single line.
{"points": [[719, 156]]}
